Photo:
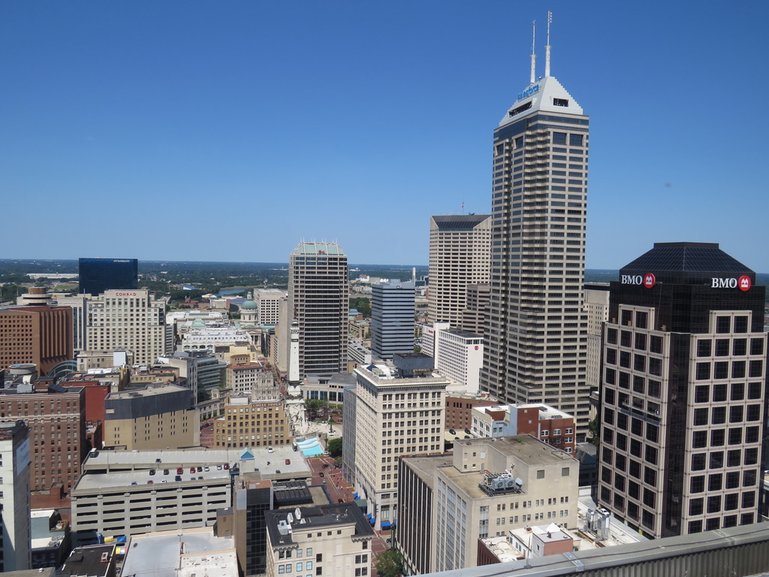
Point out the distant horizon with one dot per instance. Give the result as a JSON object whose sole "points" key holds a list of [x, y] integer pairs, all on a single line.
{"points": [[270, 263]]}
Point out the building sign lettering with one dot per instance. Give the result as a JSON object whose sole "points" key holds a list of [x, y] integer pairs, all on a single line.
{"points": [[744, 283], [648, 280]]}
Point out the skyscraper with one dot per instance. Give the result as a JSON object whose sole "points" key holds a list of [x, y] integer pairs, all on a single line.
{"points": [[683, 392], [536, 328], [459, 256], [318, 294], [392, 318]]}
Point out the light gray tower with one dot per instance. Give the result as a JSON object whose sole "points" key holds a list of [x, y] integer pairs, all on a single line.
{"points": [[392, 318], [536, 329], [318, 294]]}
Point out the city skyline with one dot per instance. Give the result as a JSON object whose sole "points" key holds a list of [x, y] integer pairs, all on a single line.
{"points": [[113, 113]]}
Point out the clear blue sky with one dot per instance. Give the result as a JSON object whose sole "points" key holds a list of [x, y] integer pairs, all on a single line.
{"points": [[232, 130]]}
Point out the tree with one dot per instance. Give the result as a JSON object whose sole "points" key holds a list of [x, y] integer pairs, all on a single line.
{"points": [[594, 431], [334, 447], [389, 564]]}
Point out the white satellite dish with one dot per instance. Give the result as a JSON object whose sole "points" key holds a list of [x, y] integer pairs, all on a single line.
{"points": [[290, 518], [297, 514]]}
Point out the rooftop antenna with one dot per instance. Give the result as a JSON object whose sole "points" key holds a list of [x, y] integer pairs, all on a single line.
{"points": [[547, 46], [533, 75]]}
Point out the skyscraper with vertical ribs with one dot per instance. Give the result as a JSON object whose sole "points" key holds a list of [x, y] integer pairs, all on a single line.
{"points": [[535, 330], [318, 301]]}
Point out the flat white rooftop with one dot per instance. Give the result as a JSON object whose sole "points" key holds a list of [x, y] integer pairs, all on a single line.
{"points": [[180, 553]]}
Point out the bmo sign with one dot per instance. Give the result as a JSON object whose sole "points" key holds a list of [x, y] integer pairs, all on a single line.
{"points": [[648, 280], [743, 283]]}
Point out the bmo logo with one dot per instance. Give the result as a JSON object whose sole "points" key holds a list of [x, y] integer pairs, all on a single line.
{"points": [[647, 280], [744, 283]]}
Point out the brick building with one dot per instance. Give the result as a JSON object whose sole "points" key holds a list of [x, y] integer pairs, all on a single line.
{"points": [[36, 334]]}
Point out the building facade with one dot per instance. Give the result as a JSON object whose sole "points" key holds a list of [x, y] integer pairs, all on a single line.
{"points": [[16, 537], [476, 308], [459, 257], [253, 380], [542, 422], [98, 275], [36, 334], [387, 417], [490, 487], [459, 356], [155, 417], [251, 423], [536, 328], [268, 305], [597, 309], [392, 318], [683, 392], [132, 320], [328, 540], [56, 421], [318, 294]]}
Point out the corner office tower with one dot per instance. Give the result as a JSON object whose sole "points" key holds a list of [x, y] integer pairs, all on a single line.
{"points": [[535, 335], [683, 392]]}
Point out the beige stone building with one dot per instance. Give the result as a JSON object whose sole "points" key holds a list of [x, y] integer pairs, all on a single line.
{"points": [[252, 423], [491, 487], [251, 379], [333, 540], [459, 256], [156, 417], [387, 417]]}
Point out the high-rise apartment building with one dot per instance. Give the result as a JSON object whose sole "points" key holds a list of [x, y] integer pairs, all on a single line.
{"points": [[392, 318], [318, 294], [15, 532], [36, 334], [535, 331], [98, 275], [683, 393], [387, 417], [459, 256]]}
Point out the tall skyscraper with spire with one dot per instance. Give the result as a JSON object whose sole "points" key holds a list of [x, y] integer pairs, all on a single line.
{"points": [[536, 329]]}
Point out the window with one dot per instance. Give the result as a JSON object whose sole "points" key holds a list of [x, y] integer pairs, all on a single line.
{"points": [[574, 139], [540, 473], [560, 102], [723, 324], [559, 138], [703, 348], [703, 371]]}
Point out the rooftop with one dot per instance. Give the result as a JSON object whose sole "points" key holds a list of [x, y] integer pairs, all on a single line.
{"points": [[545, 95], [691, 257], [459, 222], [180, 553], [318, 248], [316, 517]]}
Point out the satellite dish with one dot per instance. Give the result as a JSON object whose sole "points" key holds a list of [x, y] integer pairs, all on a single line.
{"points": [[297, 514], [290, 518]]}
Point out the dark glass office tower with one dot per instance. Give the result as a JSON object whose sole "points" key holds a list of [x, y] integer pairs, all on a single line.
{"points": [[100, 274], [536, 328], [683, 392]]}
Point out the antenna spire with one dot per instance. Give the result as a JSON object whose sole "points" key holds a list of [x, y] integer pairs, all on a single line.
{"points": [[533, 76], [547, 46]]}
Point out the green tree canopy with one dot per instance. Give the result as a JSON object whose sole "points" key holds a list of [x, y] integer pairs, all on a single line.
{"points": [[389, 564], [334, 447]]}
